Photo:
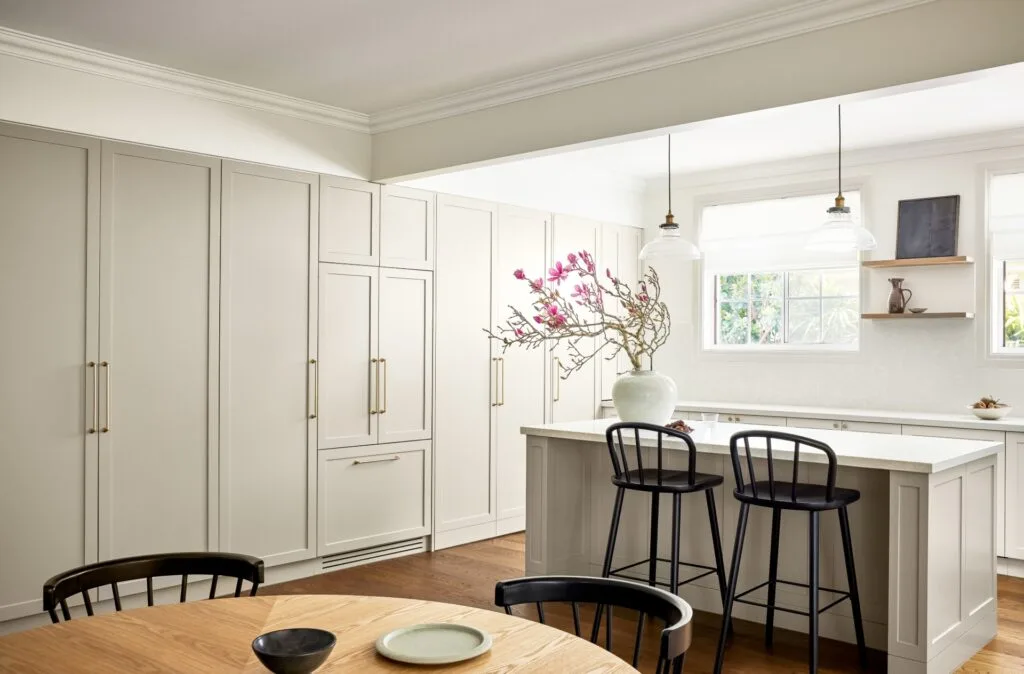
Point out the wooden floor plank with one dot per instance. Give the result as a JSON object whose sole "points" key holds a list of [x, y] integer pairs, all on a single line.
{"points": [[467, 574]]}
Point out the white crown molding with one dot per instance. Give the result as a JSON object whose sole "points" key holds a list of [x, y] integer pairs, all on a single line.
{"points": [[66, 55], [805, 17]]}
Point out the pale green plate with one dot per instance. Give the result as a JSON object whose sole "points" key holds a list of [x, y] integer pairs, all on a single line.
{"points": [[434, 644]]}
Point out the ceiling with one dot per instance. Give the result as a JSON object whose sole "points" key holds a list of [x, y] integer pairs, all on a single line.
{"points": [[372, 55], [980, 102]]}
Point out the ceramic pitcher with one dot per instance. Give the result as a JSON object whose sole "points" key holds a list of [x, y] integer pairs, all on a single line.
{"points": [[898, 296]]}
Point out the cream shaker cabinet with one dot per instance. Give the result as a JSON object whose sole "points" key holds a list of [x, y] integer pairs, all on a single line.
{"points": [[521, 242], [1014, 503], [267, 462], [467, 383], [374, 373], [376, 225], [483, 395], [49, 291], [576, 397], [158, 355]]}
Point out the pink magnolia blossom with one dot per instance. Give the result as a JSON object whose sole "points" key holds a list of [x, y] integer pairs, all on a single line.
{"points": [[582, 293], [643, 297], [536, 284], [572, 259], [519, 332], [558, 273], [519, 274], [555, 318], [538, 319], [588, 260]]}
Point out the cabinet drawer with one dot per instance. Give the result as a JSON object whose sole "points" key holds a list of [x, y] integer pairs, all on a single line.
{"points": [[804, 422], [751, 419], [371, 496]]}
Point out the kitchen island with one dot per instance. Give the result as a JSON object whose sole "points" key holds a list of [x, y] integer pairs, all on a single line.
{"points": [[924, 532]]}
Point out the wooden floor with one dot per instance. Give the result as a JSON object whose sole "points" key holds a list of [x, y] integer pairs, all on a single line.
{"points": [[466, 575]]}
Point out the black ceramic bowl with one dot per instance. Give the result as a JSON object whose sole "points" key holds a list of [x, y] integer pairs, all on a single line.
{"points": [[294, 651]]}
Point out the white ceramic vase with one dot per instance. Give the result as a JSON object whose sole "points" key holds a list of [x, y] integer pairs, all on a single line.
{"points": [[644, 395]]}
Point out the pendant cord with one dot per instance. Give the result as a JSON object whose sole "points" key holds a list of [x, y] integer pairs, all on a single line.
{"points": [[840, 116], [670, 174]]}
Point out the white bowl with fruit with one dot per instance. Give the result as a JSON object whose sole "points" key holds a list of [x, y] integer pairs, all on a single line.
{"points": [[990, 409]]}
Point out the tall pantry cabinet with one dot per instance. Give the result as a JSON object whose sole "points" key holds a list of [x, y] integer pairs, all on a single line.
{"points": [[267, 461], [483, 395], [110, 281]]}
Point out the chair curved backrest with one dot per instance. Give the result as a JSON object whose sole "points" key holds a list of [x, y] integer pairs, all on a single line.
{"points": [[787, 440], [622, 457], [58, 589], [608, 592]]}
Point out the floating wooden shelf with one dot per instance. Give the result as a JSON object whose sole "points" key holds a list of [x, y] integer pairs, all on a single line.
{"points": [[919, 262], [927, 314]]}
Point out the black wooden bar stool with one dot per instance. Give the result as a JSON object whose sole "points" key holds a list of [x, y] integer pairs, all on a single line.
{"points": [[782, 495], [631, 474]]}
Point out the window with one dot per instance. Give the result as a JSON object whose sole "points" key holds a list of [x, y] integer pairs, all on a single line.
{"points": [[763, 289], [813, 306], [1006, 228]]}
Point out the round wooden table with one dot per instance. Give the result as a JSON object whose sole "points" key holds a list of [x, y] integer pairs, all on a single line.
{"points": [[216, 636]]}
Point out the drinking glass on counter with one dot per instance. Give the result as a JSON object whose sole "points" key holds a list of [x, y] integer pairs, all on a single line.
{"points": [[709, 416]]}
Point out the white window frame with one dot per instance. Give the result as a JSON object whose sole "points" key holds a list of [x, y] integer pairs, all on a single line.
{"points": [[708, 295], [996, 296]]}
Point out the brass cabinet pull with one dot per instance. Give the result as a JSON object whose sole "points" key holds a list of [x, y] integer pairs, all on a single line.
{"points": [[384, 407], [106, 412], [316, 388], [95, 418], [359, 462], [494, 400], [376, 386], [558, 378], [501, 361]]}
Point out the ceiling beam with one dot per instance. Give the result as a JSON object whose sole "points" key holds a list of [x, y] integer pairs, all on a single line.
{"points": [[926, 41]]}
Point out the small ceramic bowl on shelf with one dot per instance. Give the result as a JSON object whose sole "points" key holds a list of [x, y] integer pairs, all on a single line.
{"points": [[990, 413], [918, 310]]}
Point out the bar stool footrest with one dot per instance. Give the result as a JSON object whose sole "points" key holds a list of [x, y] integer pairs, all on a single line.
{"points": [[843, 595], [708, 570]]}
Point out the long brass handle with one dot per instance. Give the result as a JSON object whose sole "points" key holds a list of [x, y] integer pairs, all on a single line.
{"points": [[494, 362], [316, 388], [376, 386], [106, 412], [359, 462], [384, 407], [95, 418], [501, 361], [558, 379]]}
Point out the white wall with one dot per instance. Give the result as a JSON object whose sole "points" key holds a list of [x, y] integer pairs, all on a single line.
{"points": [[938, 365], [557, 184], [67, 99]]}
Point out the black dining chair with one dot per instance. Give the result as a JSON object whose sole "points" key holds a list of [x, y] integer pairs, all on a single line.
{"points": [[786, 492], [630, 474], [608, 592], [57, 590]]}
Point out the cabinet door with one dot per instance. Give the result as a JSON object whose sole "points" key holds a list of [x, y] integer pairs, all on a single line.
{"points": [[465, 469], [1014, 484], [49, 298], [406, 228], [620, 251], [160, 238], [349, 221], [574, 398], [268, 441], [405, 355], [752, 419], [346, 369], [1004, 476], [373, 496], [521, 243]]}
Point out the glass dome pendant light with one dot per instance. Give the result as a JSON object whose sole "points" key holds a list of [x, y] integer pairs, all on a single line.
{"points": [[669, 245], [839, 233]]}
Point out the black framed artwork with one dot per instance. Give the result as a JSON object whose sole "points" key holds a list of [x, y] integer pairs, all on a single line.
{"points": [[927, 227]]}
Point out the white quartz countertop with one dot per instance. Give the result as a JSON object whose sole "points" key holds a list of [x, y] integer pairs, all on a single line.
{"points": [[878, 451], [966, 420]]}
